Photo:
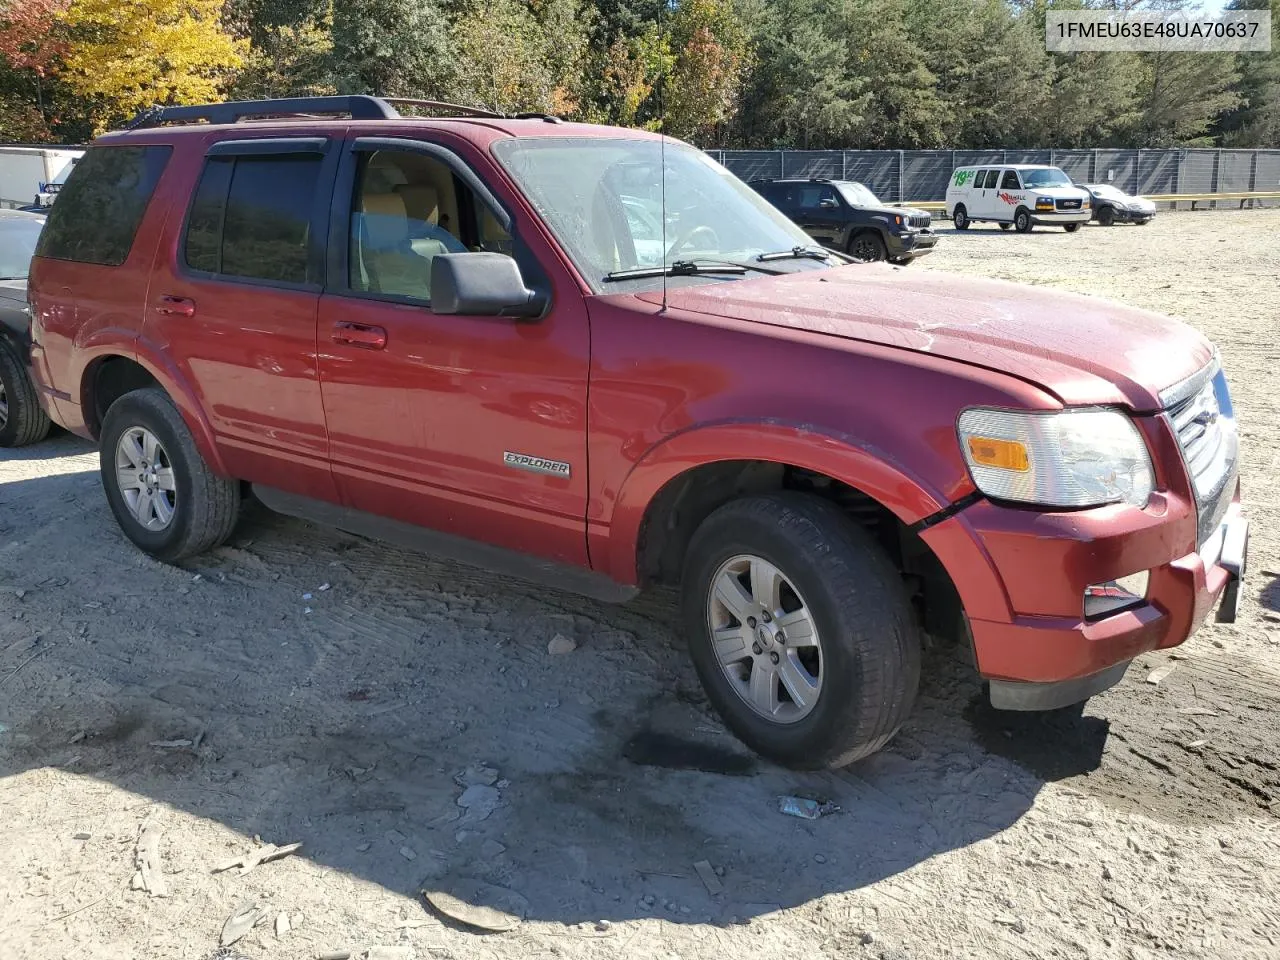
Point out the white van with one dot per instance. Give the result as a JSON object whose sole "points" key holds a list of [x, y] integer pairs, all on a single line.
{"points": [[1020, 195]]}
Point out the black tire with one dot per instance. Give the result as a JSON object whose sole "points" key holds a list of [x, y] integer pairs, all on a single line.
{"points": [[23, 421], [1071, 227], [1005, 226], [867, 246], [1107, 216], [206, 505], [1022, 220], [870, 667], [960, 217], [1141, 223]]}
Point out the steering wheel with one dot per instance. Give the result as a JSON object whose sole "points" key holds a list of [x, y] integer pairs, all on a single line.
{"points": [[710, 237]]}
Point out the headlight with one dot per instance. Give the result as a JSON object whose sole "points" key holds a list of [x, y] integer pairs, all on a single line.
{"points": [[1076, 458]]}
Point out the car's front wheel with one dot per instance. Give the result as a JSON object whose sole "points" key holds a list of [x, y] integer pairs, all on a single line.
{"points": [[1022, 221], [1106, 216], [21, 419], [867, 246], [163, 494], [1005, 226], [1071, 227], [800, 629]]}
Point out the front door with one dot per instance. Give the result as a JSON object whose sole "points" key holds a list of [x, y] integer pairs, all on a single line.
{"points": [[233, 303], [821, 212], [1009, 196], [470, 425]]}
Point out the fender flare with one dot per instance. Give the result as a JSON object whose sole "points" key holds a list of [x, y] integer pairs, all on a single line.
{"points": [[166, 373], [841, 456]]}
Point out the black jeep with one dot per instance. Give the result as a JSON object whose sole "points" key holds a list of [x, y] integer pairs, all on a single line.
{"points": [[847, 216]]}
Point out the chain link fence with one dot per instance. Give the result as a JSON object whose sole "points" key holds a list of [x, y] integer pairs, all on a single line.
{"points": [[922, 175]]}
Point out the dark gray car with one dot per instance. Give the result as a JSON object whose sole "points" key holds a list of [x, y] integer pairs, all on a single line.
{"points": [[847, 216], [21, 419]]}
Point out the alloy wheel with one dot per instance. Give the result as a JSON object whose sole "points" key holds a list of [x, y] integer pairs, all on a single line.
{"points": [[765, 639], [144, 474]]}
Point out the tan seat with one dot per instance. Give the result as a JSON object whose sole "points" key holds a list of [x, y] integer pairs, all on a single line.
{"points": [[388, 259]]}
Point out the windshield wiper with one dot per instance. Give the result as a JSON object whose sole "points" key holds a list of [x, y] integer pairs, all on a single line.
{"points": [[688, 268], [798, 253]]}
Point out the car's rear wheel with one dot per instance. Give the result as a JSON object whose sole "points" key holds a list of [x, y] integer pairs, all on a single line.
{"points": [[800, 629], [1071, 227], [22, 421], [867, 246], [960, 217], [163, 494], [1005, 226], [1106, 216], [1022, 221]]}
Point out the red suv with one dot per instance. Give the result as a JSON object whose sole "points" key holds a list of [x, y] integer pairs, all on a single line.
{"points": [[595, 359]]}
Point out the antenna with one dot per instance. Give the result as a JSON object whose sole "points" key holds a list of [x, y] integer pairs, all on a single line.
{"points": [[662, 155]]}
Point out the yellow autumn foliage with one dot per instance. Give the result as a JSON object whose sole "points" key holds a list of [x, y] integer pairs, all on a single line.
{"points": [[128, 55]]}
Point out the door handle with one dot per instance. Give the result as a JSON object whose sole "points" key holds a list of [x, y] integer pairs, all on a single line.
{"points": [[359, 335], [176, 307]]}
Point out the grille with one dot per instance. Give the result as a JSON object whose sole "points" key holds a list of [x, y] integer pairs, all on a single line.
{"points": [[1206, 430], [921, 220], [1068, 204]]}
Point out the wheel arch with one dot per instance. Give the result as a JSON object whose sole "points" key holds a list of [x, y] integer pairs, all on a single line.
{"points": [[678, 484], [113, 373]]}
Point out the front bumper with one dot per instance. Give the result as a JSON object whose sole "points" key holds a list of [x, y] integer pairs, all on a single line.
{"points": [[908, 246], [1134, 216], [1055, 218], [1022, 576]]}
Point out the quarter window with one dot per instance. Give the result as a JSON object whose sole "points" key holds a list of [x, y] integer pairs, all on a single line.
{"points": [[992, 177], [251, 218], [101, 205], [979, 179]]}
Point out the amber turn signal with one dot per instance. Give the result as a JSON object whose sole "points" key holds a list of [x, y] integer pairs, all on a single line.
{"points": [[1004, 454]]}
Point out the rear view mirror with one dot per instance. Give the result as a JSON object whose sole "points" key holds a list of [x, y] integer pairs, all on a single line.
{"points": [[827, 203], [481, 285]]}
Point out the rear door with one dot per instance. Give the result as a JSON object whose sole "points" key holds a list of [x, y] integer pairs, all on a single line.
{"points": [[468, 425], [977, 200], [233, 303]]}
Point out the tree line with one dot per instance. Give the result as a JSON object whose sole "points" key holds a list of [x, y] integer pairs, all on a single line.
{"points": [[898, 74]]}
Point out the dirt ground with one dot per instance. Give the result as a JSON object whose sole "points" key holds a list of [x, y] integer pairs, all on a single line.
{"points": [[340, 693]]}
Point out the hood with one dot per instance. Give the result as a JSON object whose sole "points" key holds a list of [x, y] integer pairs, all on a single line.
{"points": [[1067, 193], [892, 211], [1084, 350]]}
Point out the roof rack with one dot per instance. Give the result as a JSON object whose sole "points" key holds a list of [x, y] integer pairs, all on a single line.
{"points": [[356, 106]]}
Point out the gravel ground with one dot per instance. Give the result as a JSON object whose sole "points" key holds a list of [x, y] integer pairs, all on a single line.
{"points": [[341, 693]]}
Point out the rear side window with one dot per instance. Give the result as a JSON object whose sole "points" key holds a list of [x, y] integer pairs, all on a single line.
{"points": [[251, 218], [979, 179], [101, 205]]}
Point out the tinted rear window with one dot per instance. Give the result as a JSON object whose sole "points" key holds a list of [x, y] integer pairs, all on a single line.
{"points": [[99, 208], [251, 217]]}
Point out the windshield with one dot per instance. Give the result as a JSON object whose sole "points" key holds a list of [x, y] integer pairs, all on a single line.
{"points": [[18, 236], [603, 199], [856, 194], [1045, 177], [1109, 192]]}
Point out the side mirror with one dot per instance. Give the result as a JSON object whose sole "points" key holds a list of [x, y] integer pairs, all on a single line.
{"points": [[827, 203], [481, 285]]}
